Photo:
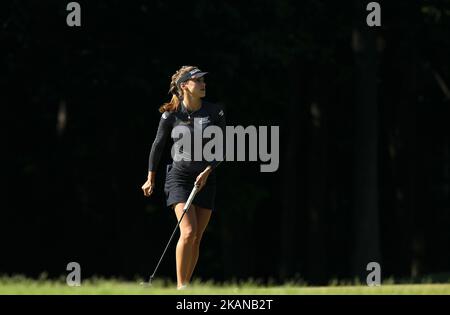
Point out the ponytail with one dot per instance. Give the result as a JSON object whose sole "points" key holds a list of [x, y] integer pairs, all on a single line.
{"points": [[170, 106]]}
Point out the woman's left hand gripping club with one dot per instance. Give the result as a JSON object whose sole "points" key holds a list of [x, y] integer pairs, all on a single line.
{"points": [[202, 178]]}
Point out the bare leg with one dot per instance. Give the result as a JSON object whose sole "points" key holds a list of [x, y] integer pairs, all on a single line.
{"points": [[203, 215], [185, 245]]}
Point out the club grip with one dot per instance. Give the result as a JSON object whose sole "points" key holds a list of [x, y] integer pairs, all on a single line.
{"points": [[191, 197]]}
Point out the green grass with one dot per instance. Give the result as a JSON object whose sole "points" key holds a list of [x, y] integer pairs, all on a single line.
{"points": [[22, 285]]}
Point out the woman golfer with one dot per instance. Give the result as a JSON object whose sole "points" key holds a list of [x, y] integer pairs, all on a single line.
{"points": [[187, 109]]}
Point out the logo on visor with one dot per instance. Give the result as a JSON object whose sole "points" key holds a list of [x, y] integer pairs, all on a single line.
{"points": [[194, 71]]}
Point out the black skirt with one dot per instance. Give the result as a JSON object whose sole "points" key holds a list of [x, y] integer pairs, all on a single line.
{"points": [[178, 187]]}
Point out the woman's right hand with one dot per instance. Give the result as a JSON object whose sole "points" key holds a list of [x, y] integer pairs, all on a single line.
{"points": [[148, 187]]}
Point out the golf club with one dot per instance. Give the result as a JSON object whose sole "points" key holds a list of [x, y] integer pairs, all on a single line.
{"points": [[185, 209]]}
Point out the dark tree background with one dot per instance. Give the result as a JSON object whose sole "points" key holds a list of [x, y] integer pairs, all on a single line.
{"points": [[364, 145]]}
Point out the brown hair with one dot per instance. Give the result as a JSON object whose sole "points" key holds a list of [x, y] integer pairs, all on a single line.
{"points": [[177, 93]]}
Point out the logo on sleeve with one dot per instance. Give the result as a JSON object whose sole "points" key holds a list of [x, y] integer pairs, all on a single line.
{"points": [[221, 113]]}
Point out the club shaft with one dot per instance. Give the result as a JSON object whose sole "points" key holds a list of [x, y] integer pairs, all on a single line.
{"points": [[168, 243], [186, 208]]}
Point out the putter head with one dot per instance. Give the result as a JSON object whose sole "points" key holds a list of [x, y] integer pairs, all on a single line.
{"points": [[146, 284]]}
